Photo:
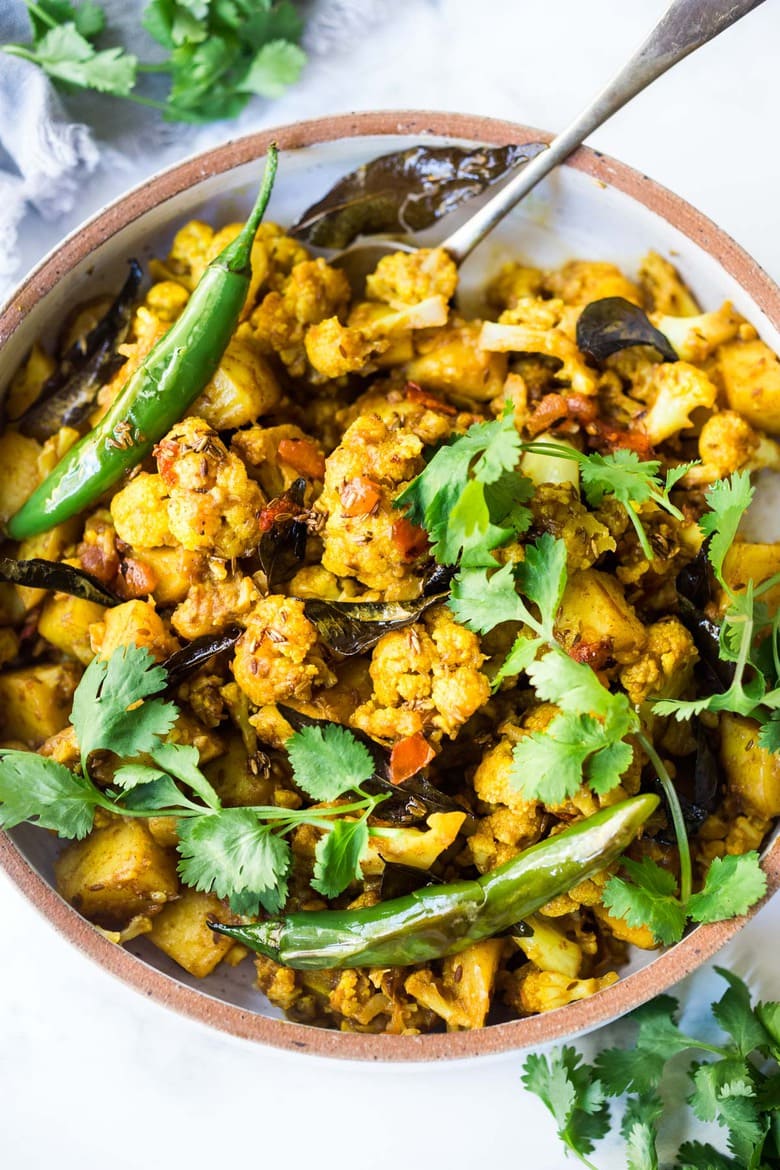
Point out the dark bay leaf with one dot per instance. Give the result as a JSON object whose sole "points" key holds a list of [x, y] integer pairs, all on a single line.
{"points": [[400, 880], [409, 802], [695, 589], [67, 397], [406, 191], [698, 788], [37, 573], [612, 324], [352, 627], [191, 657], [283, 543]]}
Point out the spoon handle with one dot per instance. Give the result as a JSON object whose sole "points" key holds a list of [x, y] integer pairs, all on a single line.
{"points": [[684, 27]]}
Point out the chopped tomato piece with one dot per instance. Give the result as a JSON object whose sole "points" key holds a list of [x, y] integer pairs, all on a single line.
{"points": [[410, 541], [594, 654], [303, 456], [409, 756], [360, 496], [416, 393]]}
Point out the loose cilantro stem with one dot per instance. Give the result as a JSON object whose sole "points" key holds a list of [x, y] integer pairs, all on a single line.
{"points": [[42, 15], [683, 846]]}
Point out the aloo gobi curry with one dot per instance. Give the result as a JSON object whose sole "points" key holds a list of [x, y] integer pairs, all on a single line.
{"points": [[416, 655]]}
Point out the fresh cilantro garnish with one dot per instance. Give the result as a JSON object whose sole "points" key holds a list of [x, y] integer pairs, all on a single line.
{"points": [[622, 474], [220, 52], [239, 853], [734, 1083], [469, 497]]}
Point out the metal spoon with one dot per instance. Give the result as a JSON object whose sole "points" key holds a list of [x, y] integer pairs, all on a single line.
{"points": [[685, 26]]}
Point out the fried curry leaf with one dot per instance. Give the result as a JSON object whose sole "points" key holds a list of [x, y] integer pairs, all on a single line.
{"points": [[197, 652], [406, 191], [37, 573], [352, 627], [283, 542], [67, 396], [613, 323]]}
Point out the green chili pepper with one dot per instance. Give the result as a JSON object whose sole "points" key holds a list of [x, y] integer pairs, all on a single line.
{"points": [[173, 375], [442, 920]]}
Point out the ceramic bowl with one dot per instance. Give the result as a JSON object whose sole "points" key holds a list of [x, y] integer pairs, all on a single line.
{"points": [[592, 207]]}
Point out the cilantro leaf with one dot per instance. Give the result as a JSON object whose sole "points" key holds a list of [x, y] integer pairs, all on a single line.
{"points": [[728, 499], [182, 761], [152, 795], [735, 1014], [702, 1156], [541, 577], [723, 1092], [63, 53], [769, 1015], [337, 857], [769, 735], [328, 761], [275, 66], [572, 686], [481, 602], [101, 712], [551, 765], [733, 884], [518, 659], [572, 1095], [231, 853], [650, 899], [639, 1128], [37, 788]]}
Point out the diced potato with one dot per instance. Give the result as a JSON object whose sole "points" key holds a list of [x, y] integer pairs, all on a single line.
{"points": [[750, 372], [189, 730], [417, 848], [164, 830], [62, 747], [54, 448], [9, 645], [11, 608], [243, 388], [117, 872], [65, 622], [35, 702], [20, 478], [452, 362], [176, 569], [748, 561], [140, 512], [182, 931], [50, 546], [234, 780], [752, 773], [135, 623], [595, 609]]}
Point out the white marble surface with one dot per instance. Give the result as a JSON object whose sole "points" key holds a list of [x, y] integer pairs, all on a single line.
{"points": [[91, 1075]]}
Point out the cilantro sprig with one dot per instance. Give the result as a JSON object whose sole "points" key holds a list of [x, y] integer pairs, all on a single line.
{"points": [[241, 854], [733, 1081], [744, 640], [621, 474], [220, 52]]}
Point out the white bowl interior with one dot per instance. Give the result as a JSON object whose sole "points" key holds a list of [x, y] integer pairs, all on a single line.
{"points": [[570, 215]]}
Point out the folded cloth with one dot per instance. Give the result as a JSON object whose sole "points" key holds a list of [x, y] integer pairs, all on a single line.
{"points": [[48, 153]]}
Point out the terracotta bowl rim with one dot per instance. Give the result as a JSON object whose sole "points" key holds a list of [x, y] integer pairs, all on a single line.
{"points": [[636, 988]]}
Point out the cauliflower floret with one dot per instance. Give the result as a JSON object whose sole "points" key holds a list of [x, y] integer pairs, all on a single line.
{"points": [[679, 390], [513, 282], [166, 299], [463, 993], [581, 281], [727, 443], [212, 504], [453, 361], [557, 509], [750, 374], [554, 343], [416, 848], [277, 456], [335, 349], [278, 657], [426, 677], [380, 451], [549, 949], [515, 822], [665, 669], [243, 387], [663, 289], [140, 512], [405, 278], [214, 604], [543, 991], [695, 338], [312, 293]]}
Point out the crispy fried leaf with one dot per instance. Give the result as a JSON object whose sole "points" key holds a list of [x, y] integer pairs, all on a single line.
{"points": [[282, 545], [37, 573], [192, 656], [68, 395], [406, 191], [352, 627], [613, 323]]}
